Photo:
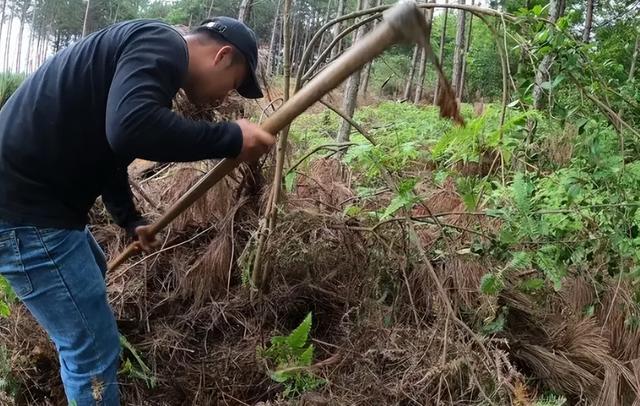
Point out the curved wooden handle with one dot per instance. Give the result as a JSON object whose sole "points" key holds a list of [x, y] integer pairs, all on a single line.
{"points": [[363, 51], [131, 250]]}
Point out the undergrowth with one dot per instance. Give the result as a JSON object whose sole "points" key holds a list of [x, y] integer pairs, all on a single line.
{"points": [[9, 82], [564, 195]]}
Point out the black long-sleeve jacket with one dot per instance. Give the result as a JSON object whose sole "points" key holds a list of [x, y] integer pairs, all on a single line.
{"points": [[70, 130]]}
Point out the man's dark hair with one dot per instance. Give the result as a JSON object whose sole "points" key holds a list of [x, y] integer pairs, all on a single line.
{"points": [[203, 34]]}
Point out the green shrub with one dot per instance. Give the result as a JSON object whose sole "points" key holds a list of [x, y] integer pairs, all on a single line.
{"points": [[9, 82]]}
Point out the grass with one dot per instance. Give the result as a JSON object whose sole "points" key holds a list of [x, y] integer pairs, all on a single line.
{"points": [[9, 83]]}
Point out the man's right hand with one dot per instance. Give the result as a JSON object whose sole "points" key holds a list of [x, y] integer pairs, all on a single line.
{"points": [[255, 141]]}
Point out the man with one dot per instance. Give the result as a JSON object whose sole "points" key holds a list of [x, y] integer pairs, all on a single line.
{"points": [[67, 136]]}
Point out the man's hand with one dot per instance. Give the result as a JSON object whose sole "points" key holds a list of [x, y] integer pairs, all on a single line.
{"points": [[147, 241], [255, 141]]}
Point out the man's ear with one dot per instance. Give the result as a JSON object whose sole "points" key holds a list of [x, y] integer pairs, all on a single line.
{"points": [[224, 57]]}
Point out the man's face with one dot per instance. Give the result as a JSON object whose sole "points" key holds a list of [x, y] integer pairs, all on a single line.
{"points": [[218, 75]]}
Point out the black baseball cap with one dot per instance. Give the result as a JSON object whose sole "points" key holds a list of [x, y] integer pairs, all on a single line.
{"points": [[244, 40]]}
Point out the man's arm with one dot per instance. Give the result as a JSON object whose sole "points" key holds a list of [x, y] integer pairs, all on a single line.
{"points": [[139, 121], [118, 200]]}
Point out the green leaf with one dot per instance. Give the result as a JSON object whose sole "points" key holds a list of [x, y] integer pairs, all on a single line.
{"points": [[491, 284], [307, 356], [507, 236], [553, 269], [559, 79], [532, 285], [542, 36], [589, 310], [298, 337], [6, 291], [546, 85], [496, 325], [522, 190], [470, 201], [537, 10], [352, 211], [520, 260], [278, 340], [563, 23], [545, 50], [397, 203], [580, 124], [280, 376], [289, 181], [5, 311], [406, 186]]}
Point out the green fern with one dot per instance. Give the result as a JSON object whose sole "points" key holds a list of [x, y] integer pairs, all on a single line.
{"points": [[298, 337], [292, 355]]}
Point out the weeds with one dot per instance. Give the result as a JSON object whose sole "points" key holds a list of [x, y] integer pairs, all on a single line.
{"points": [[8, 384], [7, 297], [9, 82], [292, 355], [135, 368]]}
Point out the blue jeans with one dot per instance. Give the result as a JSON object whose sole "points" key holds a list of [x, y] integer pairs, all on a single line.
{"points": [[59, 275]]}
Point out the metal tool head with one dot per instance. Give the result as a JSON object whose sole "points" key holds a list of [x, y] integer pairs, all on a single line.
{"points": [[406, 18]]}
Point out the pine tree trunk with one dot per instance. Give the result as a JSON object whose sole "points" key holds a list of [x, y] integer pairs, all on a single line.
{"points": [[630, 77], [463, 72], [336, 30], [281, 147], [86, 19], [443, 37], [364, 81], [272, 42], [556, 8], [303, 44], [366, 73], [39, 46], [43, 38], [245, 10], [4, 9], [115, 14], [37, 53], [23, 16], [459, 50], [412, 73], [423, 59], [325, 37], [286, 34], [8, 43], [294, 43], [634, 59], [351, 93], [279, 65], [30, 44], [588, 21]]}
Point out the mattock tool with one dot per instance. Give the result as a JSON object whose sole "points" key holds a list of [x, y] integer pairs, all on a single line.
{"points": [[401, 23]]}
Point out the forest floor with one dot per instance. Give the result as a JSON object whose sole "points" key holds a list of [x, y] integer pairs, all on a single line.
{"points": [[442, 265]]}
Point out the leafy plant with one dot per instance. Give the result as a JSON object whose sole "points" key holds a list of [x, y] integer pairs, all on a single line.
{"points": [[405, 198], [291, 356], [8, 384], [497, 324], [551, 400], [9, 83], [135, 368], [7, 296]]}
